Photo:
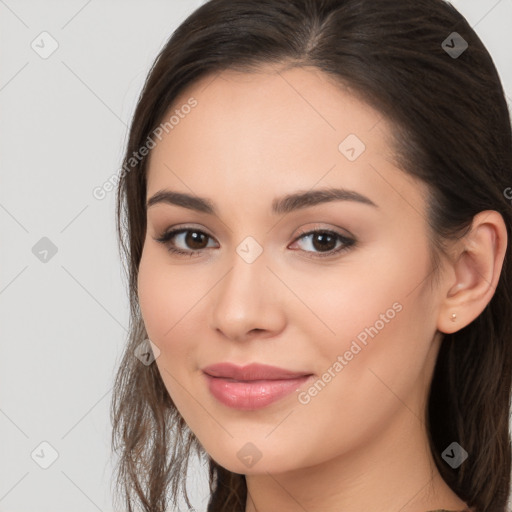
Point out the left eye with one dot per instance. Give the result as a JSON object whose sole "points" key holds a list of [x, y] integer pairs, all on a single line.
{"points": [[325, 242]]}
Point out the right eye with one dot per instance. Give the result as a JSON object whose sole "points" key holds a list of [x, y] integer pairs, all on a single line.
{"points": [[193, 238]]}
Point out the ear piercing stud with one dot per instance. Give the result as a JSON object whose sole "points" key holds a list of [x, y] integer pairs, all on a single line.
{"points": [[454, 316]]}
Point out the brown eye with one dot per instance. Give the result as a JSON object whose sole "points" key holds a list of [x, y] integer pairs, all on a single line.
{"points": [[186, 241], [196, 239], [324, 242]]}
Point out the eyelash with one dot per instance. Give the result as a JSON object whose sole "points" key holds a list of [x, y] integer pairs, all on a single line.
{"points": [[167, 236]]}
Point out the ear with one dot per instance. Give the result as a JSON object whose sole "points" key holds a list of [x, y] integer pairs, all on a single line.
{"points": [[474, 272]]}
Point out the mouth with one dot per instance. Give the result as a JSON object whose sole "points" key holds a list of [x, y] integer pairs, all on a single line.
{"points": [[254, 386]]}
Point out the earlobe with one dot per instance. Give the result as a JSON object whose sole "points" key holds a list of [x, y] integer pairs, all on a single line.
{"points": [[476, 272]]}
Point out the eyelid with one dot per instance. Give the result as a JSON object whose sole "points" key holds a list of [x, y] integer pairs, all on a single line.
{"points": [[180, 228], [171, 232], [321, 227]]}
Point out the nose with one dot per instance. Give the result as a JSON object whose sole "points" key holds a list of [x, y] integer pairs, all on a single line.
{"points": [[248, 301]]}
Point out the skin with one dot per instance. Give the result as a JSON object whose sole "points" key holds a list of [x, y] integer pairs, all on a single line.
{"points": [[360, 444]]}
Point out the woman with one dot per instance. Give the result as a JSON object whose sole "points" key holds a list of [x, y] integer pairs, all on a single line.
{"points": [[313, 214]]}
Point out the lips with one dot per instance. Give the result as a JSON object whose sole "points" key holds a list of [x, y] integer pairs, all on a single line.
{"points": [[251, 372], [252, 387]]}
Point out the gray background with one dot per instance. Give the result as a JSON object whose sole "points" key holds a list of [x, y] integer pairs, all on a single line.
{"points": [[63, 321]]}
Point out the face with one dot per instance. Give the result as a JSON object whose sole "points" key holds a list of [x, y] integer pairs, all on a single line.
{"points": [[332, 287]]}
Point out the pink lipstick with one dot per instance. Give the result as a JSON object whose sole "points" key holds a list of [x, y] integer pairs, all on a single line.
{"points": [[253, 386]]}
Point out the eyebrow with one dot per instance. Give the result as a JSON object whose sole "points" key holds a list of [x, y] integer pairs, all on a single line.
{"points": [[281, 205]]}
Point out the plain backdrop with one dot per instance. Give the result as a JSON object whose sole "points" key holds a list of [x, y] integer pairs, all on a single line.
{"points": [[63, 301]]}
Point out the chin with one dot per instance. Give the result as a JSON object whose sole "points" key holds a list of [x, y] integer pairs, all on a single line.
{"points": [[249, 460]]}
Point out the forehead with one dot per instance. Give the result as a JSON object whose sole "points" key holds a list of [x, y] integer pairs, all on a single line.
{"points": [[282, 103], [272, 131]]}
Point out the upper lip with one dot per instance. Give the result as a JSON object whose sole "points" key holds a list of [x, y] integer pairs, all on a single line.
{"points": [[252, 371]]}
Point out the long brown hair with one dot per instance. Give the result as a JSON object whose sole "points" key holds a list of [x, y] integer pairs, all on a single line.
{"points": [[452, 130]]}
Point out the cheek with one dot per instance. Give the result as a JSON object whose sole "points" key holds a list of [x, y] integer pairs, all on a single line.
{"points": [[166, 294], [379, 314], [367, 297], [383, 323]]}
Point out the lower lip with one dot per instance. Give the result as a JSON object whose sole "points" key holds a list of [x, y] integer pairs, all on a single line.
{"points": [[249, 395]]}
